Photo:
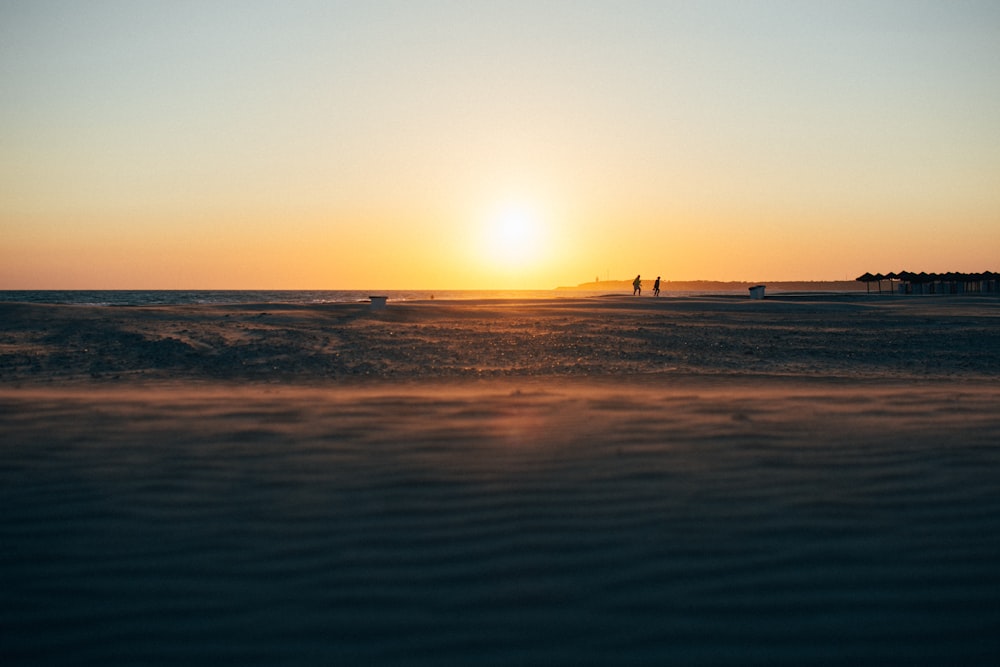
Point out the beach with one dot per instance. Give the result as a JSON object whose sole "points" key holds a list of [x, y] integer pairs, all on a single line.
{"points": [[804, 479]]}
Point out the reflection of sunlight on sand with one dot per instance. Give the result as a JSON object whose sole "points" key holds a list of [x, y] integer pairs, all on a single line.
{"points": [[529, 420]]}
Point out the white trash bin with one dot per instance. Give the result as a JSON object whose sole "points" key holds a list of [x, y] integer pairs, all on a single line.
{"points": [[757, 291]]}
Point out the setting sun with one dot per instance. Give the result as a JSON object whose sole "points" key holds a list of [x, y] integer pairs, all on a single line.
{"points": [[514, 236]]}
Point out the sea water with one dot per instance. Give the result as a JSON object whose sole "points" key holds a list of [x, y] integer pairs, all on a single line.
{"points": [[231, 297]]}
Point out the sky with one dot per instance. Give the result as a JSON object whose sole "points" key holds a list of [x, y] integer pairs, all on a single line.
{"points": [[513, 144]]}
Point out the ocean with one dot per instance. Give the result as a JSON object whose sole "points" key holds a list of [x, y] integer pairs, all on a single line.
{"points": [[310, 297], [235, 297]]}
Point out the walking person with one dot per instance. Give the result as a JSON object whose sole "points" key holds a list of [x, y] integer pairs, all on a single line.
{"points": [[656, 286], [637, 286]]}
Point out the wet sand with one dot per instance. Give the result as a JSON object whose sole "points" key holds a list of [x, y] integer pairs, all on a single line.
{"points": [[804, 480]]}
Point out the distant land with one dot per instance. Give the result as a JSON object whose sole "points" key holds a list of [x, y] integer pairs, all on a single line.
{"points": [[721, 286]]}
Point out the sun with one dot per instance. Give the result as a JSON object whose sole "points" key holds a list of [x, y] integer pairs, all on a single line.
{"points": [[514, 236]]}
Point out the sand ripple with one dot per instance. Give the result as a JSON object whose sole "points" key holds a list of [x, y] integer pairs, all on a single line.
{"points": [[530, 523]]}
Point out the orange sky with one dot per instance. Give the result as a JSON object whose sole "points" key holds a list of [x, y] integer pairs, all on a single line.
{"points": [[481, 145]]}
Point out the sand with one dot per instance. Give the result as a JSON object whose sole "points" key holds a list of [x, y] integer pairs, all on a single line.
{"points": [[848, 336], [813, 479]]}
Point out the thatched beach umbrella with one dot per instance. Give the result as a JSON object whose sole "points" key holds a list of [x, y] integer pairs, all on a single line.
{"points": [[866, 278], [953, 278], [879, 278], [890, 277], [907, 277], [990, 281]]}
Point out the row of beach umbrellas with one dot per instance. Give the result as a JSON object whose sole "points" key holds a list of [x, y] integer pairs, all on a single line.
{"points": [[924, 277]]}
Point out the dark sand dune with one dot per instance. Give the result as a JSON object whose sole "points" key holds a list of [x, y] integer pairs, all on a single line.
{"points": [[600, 481]]}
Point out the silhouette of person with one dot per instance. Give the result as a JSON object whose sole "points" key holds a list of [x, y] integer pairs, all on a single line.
{"points": [[637, 286], [656, 286]]}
